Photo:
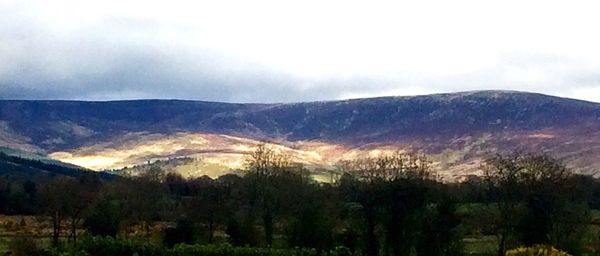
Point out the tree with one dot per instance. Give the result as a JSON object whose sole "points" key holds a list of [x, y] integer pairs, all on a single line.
{"points": [[391, 189], [557, 214], [438, 235], [68, 198], [536, 198], [154, 174], [209, 205], [103, 219], [55, 201], [141, 200], [264, 166], [83, 192], [504, 176], [364, 196]]}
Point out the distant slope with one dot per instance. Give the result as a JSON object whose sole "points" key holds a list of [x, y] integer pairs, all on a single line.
{"points": [[457, 129], [29, 168], [35, 156]]}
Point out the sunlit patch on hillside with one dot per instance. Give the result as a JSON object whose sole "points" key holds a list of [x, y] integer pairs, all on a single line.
{"points": [[94, 162], [457, 157], [219, 153], [139, 148], [541, 136]]}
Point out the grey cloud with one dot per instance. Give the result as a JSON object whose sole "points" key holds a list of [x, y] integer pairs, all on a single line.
{"points": [[91, 67], [120, 58]]}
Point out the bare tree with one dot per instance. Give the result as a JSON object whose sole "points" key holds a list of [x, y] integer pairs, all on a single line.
{"points": [[390, 189], [504, 176], [63, 198], [264, 165], [267, 161], [529, 190], [388, 167]]}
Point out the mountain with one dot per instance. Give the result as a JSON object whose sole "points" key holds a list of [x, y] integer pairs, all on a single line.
{"points": [[457, 130]]}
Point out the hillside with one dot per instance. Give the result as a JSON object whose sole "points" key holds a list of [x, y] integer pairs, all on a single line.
{"points": [[456, 130], [13, 166]]}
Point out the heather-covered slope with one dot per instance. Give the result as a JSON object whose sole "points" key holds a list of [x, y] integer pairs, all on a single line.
{"points": [[457, 130]]}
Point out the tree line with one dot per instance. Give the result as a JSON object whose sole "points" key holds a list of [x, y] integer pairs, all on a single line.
{"points": [[392, 204]]}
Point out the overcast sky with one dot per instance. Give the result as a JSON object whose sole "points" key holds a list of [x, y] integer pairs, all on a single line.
{"points": [[281, 51]]}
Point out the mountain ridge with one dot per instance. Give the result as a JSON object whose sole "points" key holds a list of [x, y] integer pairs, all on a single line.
{"points": [[458, 93], [458, 122]]}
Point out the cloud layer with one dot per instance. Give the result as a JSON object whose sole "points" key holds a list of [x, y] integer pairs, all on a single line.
{"points": [[277, 51]]}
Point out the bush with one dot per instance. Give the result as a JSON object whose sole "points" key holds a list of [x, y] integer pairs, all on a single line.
{"points": [[228, 250], [99, 246], [536, 250]]}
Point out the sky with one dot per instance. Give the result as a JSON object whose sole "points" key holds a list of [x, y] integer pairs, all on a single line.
{"points": [[289, 51]]}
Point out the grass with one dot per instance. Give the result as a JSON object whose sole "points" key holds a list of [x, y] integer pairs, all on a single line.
{"points": [[487, 245], [476, 208], [3, 245], [479, 239]]}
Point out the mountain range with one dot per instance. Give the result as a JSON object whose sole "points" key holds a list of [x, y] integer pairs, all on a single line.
{"points": [[457, 131]]}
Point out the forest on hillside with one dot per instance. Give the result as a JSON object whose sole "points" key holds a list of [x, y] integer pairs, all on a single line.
{"points": [[392, 204]]}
